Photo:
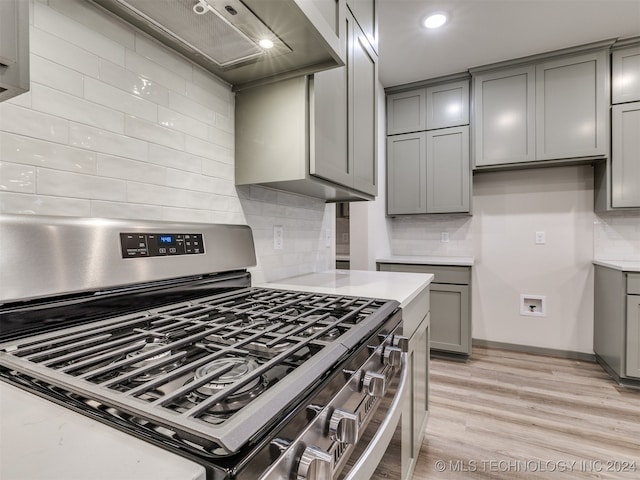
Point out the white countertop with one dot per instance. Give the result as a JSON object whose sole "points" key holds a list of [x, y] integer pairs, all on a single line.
{"points": [[41, 440], [428, 260], [623, 265], [402, 287]]}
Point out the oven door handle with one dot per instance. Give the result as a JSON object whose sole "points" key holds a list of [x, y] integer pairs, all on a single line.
{"points": [[368, 461]]}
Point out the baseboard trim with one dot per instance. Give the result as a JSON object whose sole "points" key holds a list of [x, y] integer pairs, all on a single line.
{"points": [[552, 352]]}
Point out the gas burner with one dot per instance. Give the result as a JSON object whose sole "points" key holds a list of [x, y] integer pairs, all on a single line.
{"points": [[326, 336], [154, 359], [234, 369]]}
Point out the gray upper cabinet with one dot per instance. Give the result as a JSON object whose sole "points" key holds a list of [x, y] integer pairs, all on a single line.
{"points": [[448, 172], [504, 118], [447, 105], [406, 112], [366, 14], [314, 135], [14, 48], [406, 174], [428, 168], [437, 106], [625, 75], [625, 155], [572, 107], [553, 109], [352, 163]]}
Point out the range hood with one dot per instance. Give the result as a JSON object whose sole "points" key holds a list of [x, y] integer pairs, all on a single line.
{"points": [[226, 36]]}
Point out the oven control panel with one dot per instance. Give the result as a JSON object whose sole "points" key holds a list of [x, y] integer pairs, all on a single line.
{"points": [[134, 245]]}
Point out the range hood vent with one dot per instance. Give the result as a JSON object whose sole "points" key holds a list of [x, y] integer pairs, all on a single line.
{"points": [[223, 32]]}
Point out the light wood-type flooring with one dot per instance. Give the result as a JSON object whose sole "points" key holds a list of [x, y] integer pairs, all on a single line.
{"points": [[512, 415]]}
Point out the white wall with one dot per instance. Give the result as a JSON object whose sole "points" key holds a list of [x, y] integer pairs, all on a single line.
{"points": [[508, 208], [115, 125]]}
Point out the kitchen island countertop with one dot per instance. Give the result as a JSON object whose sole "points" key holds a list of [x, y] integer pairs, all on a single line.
{"points": [[402, 287], [42, 440], [428, 260], [622, 265]]}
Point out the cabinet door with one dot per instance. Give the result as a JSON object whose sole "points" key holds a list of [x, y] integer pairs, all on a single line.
{"points": [[448, 105], [625, 75], [572, 103], [450, 318], [406, 112], [504, 127], [364, 108], [406, 173], [420, 382], [366, 14], [330, 158], [633, 336], [625, 155], [448, 170]]}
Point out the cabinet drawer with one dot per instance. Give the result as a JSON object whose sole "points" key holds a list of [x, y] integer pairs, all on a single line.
{"points": [[442, 273], [633, 283]]}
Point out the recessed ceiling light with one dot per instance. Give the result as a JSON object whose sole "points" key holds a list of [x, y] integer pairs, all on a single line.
{"points": [[435, 20], [265, 43]]}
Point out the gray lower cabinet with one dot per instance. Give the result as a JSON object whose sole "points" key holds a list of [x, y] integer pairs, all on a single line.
{"points": [[625, 155], [633, 336], [416, 326], [616, 339], [429, 172], [450, 305]]}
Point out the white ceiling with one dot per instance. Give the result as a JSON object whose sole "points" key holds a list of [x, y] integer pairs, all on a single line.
{"points": [[487, 31]]}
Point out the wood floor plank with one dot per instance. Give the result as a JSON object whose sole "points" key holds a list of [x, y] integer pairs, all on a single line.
{"points": [[513, 415]]}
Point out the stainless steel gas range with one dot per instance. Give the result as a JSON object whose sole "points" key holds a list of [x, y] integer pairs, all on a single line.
{"points": [[154, 329]]}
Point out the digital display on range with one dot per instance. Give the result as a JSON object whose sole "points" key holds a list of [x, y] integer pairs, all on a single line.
{"points": [[166, 239], [161, 244]]}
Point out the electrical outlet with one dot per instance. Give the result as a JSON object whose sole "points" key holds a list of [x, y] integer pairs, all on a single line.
{"points": [[444, 237], [278, 237], [540, 238], [327, 238]]}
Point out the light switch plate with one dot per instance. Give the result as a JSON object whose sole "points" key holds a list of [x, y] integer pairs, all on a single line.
{"points": [[540, 238]]}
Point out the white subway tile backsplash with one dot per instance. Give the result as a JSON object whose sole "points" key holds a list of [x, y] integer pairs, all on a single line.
{"points": [[17, 178], [133, 83], [59, 183], [153, 132], [67, 106], [97, 140], [100, 208], [93, 18], [60, 51], [190, 181], [116, 99], [167, 196], [62, 26], [56, 76], [221, 137], [169, 157], [29, 151], [191, 108], [127, 169], [177, 121], [212, 85], [154, 51], [23, 121], [43, 205], [226, 124], [216, 103], [217, 169], [171, 214], [147, 68]]}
